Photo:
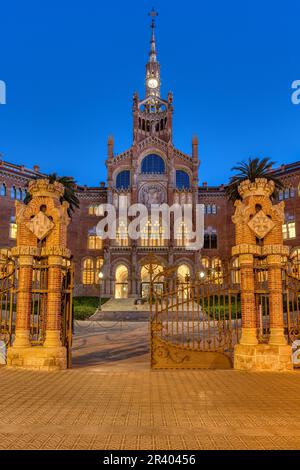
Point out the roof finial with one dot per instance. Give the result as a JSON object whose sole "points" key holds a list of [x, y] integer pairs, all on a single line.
{"points": [[153, 13]]}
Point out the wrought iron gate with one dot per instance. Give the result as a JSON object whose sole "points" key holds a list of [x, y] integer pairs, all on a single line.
{"points": [[195, 325], [39, 295], [7, 299]]}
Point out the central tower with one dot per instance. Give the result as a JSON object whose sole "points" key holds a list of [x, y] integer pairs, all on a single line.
{"points": [[151, 172], [153, 115]]}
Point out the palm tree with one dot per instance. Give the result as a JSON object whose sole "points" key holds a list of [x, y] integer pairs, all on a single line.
{"points": [[250, 170], [69, 194]]}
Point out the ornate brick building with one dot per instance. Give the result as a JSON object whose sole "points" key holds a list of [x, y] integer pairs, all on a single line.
{"points": [[151, 171]]}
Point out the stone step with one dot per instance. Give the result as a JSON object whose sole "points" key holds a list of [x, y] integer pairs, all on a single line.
{"points": [[123, 305], [133, 315]]}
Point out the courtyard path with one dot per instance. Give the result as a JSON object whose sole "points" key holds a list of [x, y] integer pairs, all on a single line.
{"points": [[112, 400]]}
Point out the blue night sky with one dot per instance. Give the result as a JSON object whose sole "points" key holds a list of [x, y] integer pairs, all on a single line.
{"points": [[71, 68]]}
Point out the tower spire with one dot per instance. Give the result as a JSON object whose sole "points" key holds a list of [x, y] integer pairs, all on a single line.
{"points": [[153, 13], [152, 67]]}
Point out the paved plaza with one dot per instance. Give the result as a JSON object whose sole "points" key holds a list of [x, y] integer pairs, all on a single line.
{"points": [[112, 400]]}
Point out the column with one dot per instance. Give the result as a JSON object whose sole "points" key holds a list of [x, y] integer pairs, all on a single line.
{"points": [[249, 331], [53, 321], [22, 339], [275, 300]]}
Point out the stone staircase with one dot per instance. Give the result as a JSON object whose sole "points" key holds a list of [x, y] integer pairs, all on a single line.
{"points": [[122, 309]]}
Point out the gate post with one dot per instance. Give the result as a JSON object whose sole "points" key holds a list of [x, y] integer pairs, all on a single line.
{"points": [[258, 229], [42, 233]]}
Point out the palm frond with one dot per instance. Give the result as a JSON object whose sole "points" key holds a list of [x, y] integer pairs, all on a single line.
{"points": [[69, 192], [250, 170]]}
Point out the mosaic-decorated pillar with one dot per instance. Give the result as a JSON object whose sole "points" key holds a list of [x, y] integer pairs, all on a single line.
{"points": [[41, 250], [258, 224]]}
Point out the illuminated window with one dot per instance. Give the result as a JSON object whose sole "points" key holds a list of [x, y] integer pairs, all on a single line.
{"points": [[13, 231], [152, 234], [93, 210], [289, 230], [123, 180], [99, 264], [122, 235], [235, 271], [217, 271], [182, 238], [153, 164], [205, 263], [94, 242], [182, 180], [88, 272], [183, 273], [296, 263]]}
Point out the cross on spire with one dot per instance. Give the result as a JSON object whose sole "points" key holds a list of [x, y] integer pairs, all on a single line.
{"points": [[153, 13]]}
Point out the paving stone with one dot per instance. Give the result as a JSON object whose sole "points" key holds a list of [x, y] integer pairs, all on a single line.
{"points": [[122, 404]]}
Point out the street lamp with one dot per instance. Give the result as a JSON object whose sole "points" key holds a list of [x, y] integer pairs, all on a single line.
{"points": [[202, 274], [101, 275]]}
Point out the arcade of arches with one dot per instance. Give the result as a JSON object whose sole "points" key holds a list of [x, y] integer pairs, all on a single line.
{"points": [[148, 272]]}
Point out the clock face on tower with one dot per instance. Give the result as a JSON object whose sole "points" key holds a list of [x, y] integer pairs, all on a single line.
{"points": [[152, 83]]}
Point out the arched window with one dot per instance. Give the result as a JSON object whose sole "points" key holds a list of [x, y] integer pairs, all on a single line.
{"points": [[152, 234], [123, 180], [93, 210], [13, 228], [122, 234], [235, 271], [2, 189], [99, 264], [13, 192], [210, 240], [217, 271], [19, 194], [182, 236], [153, 164], [151, 271], [88, 271], [182, 180], [94, 241], [205, 263]]}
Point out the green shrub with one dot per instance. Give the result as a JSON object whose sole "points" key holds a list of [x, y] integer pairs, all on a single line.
{"points": [[84, 307]]}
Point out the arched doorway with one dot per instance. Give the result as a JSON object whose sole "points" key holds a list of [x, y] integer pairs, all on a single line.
{"points": [[183, 274], [121, 282], [149, 271], [183, 279]]}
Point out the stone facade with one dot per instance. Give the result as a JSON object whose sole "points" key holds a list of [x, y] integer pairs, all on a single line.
{"points": [[130, 173]]}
